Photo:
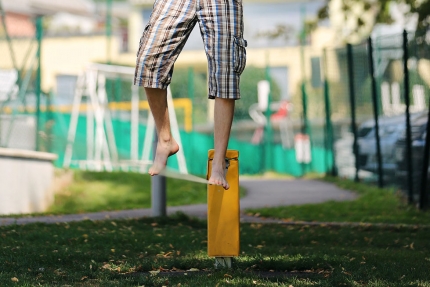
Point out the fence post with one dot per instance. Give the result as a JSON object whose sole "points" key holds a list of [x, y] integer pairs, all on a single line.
{"points": [[39, 34], [408, 119], [350, 62], [268, 137], [191, 90], [118, 90], [329, 125], [423, 192], [375, 113], [108, 30], [305, 126], [49, 121], [190, 136], [305, 129]]}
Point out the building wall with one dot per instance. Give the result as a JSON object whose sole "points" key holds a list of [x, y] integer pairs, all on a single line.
{"points": [[70, 55], [61, 55]]}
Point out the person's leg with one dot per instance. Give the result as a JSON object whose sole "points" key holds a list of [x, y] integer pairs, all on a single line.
{"points": [[169, 27], [166, 146], [224, 110], [221, 26]]}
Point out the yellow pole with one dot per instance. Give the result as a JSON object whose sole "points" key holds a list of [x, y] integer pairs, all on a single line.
{"points": [[224, 213]]}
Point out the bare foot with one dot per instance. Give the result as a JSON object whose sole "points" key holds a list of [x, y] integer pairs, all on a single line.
{"points": [[218, 177], [164, 150]]}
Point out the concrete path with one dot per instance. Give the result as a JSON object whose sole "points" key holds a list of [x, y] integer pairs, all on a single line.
{"points": [[260, 193]]}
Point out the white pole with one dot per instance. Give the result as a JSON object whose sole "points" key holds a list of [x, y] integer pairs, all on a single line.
{"points": [[73, 121], [106, 156], [146, 152], [107, 119], [134, 152], [175, 132], [99, 121], [111, 135], [90, 135], [385, 96]]}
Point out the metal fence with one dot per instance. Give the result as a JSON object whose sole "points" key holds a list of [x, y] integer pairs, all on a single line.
{"points": [[125, 126], [365, 118], [20, 90], [378, 93]]}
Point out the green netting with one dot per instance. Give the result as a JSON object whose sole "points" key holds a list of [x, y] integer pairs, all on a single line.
{"points": [[196, 146]]}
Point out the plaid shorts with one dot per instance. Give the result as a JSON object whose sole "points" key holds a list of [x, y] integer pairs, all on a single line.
{"points": [[170, 24]]}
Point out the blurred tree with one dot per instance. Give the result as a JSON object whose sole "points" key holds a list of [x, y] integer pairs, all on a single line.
{"points": [[281, 31], [180, 87], [380, 11], [180, 84], [249, 91]]}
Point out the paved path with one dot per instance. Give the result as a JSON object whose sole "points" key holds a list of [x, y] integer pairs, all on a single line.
{"points": [[260, 193]]}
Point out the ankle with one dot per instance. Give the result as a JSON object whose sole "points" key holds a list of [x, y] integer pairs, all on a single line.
{"points": [[218, 165], [166, 140]]}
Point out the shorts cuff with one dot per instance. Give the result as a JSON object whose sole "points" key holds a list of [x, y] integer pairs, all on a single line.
{"points": [[213, 97], [150, 84]]}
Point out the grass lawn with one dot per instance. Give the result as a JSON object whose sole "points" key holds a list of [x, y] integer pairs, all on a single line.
{"points": [[121, 253], [374, 205], [105, 191]]}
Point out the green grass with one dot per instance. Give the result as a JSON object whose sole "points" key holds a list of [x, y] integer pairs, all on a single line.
{"points": [[374, 205], [106, 191], [120, 253]]}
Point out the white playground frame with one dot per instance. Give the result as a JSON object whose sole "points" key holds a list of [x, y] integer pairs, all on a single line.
{"points": [[101, 147]]}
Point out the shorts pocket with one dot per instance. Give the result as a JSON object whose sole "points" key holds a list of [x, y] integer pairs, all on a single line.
{"points": [[239, 54]]}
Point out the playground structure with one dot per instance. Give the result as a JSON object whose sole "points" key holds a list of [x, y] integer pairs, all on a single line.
{"points": [[101, 145], [281, 118], [326, 121]]}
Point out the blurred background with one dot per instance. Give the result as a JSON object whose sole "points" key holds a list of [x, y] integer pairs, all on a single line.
{"points": [[338, 87]]}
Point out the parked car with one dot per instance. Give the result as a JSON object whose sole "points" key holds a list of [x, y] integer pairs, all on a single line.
{"points": [[391, 129], [418, 137]]}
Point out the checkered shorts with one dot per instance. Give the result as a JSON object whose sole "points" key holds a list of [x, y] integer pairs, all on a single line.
{"points": [[170, 24]]}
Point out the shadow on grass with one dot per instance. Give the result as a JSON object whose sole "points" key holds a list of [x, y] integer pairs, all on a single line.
{"points": [[122, 252]]}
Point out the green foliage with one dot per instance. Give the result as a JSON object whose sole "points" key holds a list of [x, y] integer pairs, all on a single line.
{"points": [[422, 8], [279, 31], [249, 90], [118, 90], [181, 84], [181, 89]]}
